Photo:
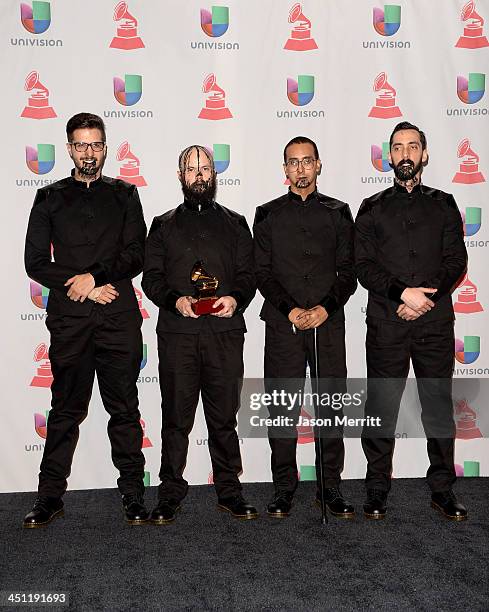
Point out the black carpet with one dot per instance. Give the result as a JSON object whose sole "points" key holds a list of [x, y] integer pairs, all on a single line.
{"points": [[206, 560]]}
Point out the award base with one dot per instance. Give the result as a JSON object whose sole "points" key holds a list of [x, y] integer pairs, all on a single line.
{"points": [[204, 306], [467, 178], [215, 114], [31, 112], [385, 112]]}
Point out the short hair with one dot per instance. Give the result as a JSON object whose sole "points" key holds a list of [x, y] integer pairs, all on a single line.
{"points": [[185, 154], [405, 125], [301, 140], [82, 121]]}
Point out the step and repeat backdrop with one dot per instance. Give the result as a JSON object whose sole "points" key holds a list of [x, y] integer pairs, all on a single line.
{"points": [[241, 78]]}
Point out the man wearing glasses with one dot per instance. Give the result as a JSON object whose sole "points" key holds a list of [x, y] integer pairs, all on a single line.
{"points": [[304, 270], [85, 242], [199, 353]]}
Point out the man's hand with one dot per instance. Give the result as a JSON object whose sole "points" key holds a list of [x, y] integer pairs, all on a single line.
{"points": [[184, 306], [103, 295], [314, 317], [415, 298], [229, 305], [406, 313], [295, 317], [80, 286]]}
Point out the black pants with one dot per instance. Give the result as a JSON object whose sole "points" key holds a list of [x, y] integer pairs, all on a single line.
{"points": [[110, 346], [390, 346], [286, 357], [189, 364]]}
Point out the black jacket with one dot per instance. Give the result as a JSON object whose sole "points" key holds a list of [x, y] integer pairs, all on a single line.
{"points": [[99, 229], [304, 254], [409, 240], [217, 236]]}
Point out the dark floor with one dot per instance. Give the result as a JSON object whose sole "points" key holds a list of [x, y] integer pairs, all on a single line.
{"points": [[206, 560]]}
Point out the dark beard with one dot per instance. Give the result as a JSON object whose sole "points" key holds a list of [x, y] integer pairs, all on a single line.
{"points": [[200, 194], [303, 183], [406, 170]]}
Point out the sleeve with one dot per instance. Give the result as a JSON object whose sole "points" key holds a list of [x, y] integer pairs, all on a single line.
{"points": [[268, 286], [346, 281], [37, 253], [454, 257], [129, 262], [154, 282], [244, 287], [372, 275]]}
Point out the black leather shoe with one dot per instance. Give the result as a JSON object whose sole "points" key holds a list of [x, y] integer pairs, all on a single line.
{"points": [[336, 504], [375, 505], [238, 507], [281, 505], [165, 512], [447, 504], [45, 509], [134, 509]]}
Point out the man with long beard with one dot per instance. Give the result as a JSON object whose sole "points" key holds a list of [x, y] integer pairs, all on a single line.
{"points": [[409, 252], [199, 353], [85, 242]]}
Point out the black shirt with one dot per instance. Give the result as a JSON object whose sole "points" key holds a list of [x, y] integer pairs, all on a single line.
{"points": [[98, 229], [409, 240], [304, 254], [215, 235]]}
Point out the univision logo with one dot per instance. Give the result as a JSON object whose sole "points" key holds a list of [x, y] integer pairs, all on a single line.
{"points": [[214, 24], [222, 158], [380, 157], [300, 92], [470, 90], [467, 350], [36, 19], [40, 159], [128, 92], [387, 21]]}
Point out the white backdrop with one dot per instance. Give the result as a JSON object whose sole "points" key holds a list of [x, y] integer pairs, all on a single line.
{"points": [[434, 65]]}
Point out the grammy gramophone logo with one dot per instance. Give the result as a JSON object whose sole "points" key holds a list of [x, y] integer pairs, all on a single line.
{"points": [[127, 29], [129, 170], [215, 102], [385, 102], [473, 36], [38, 106], [300, 38], [468, 171], [43, 376], [467, 301]]}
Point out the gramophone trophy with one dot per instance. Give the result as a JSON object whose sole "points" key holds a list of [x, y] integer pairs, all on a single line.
{"points": [[206, 287]]}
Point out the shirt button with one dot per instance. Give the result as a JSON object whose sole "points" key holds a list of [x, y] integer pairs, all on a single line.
{"points": [[307, 252], [411, 222], [306, 277], [413, 253]]}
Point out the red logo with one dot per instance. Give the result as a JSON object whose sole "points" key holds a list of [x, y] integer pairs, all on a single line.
{"points": [[466, 421], [215, 103], [127, 32], [139, 297], [385, 103], [300, 36], [305, 433], [468, 172], [146, 441], [467, 301], [38, 102], [44, 376], [129, 171], [473, 37]]}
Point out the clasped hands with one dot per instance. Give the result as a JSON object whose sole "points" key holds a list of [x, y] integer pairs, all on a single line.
{"points": [[415, 303], [184, 306], [309, 318], [82, 286]]}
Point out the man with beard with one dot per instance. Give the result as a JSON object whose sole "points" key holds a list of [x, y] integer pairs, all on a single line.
{"points": [[199, 353], [85, 242], [304, 270], [409, 252]]}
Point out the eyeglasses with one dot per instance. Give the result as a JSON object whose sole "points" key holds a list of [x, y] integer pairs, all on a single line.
{"points": [[307, 162], [81, 147]]}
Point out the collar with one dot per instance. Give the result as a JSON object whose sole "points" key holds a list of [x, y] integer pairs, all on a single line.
{"points": [[192, 207], [297, 198], [83, 185], [401, 189]]}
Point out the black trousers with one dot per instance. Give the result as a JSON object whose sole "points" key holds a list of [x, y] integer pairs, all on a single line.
{"points": [[189, 364], [390, 347], [286, 357], [111, 346]]}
